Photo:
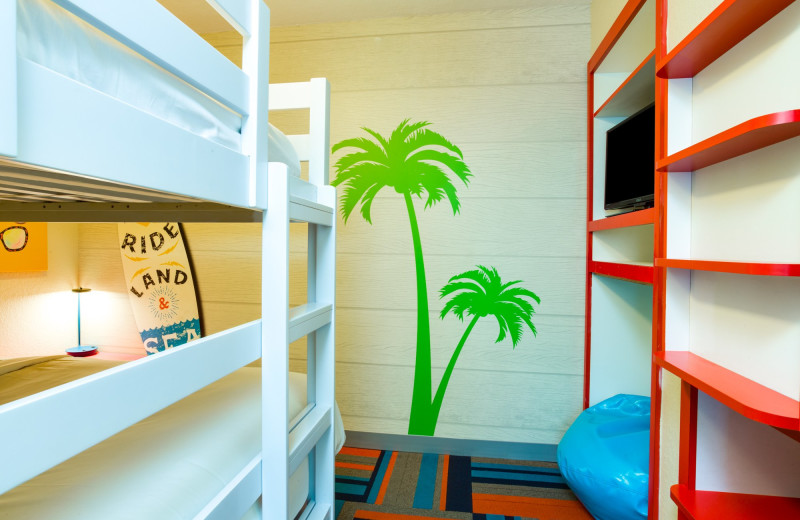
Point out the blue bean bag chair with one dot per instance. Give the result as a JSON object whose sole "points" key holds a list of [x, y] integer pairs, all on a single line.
{"points": [[604, 457]]}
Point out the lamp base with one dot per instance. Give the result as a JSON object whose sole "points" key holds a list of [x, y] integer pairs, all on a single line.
{"points": [[82, 351]]}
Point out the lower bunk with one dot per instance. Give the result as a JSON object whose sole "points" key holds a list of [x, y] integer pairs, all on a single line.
{"points": [[167, 466]]}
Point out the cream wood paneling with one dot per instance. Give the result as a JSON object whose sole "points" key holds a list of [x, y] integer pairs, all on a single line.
{"points": [[474, 397], [604, 13], [404, 60], [684, 16], [669, 442], [508, 87], [38, 311]]}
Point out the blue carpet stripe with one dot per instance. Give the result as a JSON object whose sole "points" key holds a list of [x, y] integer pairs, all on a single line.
{"points": [[516, 468], [552, 485], [350, 489], [507, 475], [338, 504], [381, 472], [426, 482]]}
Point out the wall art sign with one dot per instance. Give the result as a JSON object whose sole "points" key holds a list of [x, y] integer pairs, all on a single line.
{"points": [[160, 284], [23, 246]]}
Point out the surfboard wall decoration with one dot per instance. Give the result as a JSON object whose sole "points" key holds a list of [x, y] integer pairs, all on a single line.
{"points": [[161, 286]]}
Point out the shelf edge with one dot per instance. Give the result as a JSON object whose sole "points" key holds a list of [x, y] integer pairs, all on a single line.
{"points": [[746, 137], [747, 268], [672, 362], [630, 219], [629, 272]]}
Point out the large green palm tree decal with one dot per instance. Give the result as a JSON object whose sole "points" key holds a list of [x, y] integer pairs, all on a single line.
{"points": [[481, 293], [414, 161]]}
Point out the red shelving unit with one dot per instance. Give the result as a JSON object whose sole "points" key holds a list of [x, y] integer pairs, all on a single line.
{"points": [[631, 219], [751, 268], [629, 272], [751, 399], [636, 92], [712, 505], [746, 137], [726, 26]]}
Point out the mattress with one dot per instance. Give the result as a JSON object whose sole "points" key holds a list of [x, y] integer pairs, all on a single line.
{"points": [[167, 466], [52, 37]]}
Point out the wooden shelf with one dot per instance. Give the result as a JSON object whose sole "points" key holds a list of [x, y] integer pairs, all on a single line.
{"points": [[636, 92], [628, 272], [732, 267], [630, 219], [750, 399], [711, 505], [726, 26], [746, 137]]}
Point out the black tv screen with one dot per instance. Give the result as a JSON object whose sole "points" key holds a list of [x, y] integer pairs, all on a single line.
{"points": [[630, 161]]}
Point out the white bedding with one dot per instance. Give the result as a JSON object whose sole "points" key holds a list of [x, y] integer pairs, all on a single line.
{"points": [[60, 41], [166, 466]]}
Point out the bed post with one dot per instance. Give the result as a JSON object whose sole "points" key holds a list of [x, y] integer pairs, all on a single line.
{"points": [[8, 82], [255, 128]]}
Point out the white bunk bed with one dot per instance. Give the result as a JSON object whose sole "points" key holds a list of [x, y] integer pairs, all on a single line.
{"points": [[77, 146]]}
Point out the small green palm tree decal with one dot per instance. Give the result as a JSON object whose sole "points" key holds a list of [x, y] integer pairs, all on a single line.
{"points": [[414, 161], [481, 293]]}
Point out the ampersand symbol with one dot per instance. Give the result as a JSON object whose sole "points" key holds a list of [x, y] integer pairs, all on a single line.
{"points": [[163, 304]]}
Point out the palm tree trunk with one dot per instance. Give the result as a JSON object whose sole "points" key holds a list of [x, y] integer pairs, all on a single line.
{"points": [[419, 421], [439, 398]]}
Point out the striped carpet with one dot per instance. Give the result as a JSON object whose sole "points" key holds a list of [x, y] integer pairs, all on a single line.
{"points": [[394, 485]]}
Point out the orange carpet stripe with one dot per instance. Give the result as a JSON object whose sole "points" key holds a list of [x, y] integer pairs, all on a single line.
{"points": [[351, 465], [377, 515], [361, 452], [443, 496], [386, 477], [541, 508]]}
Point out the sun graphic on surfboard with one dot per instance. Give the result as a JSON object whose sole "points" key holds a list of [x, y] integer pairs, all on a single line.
{"points": [[163, 303]]}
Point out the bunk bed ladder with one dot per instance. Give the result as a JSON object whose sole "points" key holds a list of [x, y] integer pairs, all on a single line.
{"points": [[310, 435]]}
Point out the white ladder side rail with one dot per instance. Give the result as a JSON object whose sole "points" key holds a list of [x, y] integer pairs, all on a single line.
{"points": [[274, 345], [319, 131], [322, 348], [255, 128]]}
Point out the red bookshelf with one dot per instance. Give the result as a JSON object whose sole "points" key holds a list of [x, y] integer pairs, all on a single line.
{"points": [[629, 272], [732, 267], [746, 137], [630, 219], [726, 26], [712, 505], [751, 399], [635, 93]]}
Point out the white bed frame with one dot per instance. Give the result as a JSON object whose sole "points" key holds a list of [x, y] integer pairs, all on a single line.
{"points": [[57, 130]]}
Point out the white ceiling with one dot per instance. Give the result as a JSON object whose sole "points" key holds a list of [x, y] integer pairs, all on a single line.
{"points": [[204, 19]]}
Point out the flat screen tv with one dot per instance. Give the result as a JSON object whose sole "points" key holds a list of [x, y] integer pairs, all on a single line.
{"points": [[630, 161]]}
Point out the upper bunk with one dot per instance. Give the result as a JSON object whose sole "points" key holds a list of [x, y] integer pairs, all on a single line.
{"points": [[118, 111]]}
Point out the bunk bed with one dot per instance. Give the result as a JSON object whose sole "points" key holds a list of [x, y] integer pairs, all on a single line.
{"points": [[116, 111]]}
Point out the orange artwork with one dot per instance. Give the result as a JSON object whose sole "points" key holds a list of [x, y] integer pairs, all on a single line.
{"points": [[23, 246]]}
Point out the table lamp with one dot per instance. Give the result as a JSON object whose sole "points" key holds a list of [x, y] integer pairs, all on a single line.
{"points": [[81, 350]]}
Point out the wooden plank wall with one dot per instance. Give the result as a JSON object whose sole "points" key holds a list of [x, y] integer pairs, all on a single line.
{"points": [[509, 88]]}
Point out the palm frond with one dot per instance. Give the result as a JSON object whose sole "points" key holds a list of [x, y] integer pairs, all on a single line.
{"points": [[476, 275], [346, 162], [521, 291], [459, 286], [426, 138], [406, 129], [459, 304], [360, 187], [378, 137], [362, 143], [437, 185], [453, 163], [501, 322], [367, 199]]}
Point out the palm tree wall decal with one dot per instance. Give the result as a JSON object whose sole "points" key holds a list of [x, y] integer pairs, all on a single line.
{"points": [[480, 293], [414, 161]]}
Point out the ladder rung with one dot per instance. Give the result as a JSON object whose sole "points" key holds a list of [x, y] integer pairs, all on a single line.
{"points": [[306, 435], [305, 319], [304, 210]]}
